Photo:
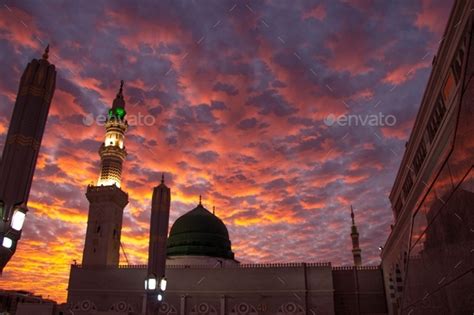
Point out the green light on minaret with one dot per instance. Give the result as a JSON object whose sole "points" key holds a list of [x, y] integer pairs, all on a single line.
{"points": [[117, 113], [120, 113]]}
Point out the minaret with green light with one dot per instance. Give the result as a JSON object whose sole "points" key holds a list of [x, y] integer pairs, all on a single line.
{"points": [[112, 152], [107, 200]]}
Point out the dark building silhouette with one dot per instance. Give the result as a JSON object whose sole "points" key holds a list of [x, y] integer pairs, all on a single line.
{"points": [[21, 149]]}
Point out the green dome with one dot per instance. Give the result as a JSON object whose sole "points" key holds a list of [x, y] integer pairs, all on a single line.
{"points": [[199, 233]]}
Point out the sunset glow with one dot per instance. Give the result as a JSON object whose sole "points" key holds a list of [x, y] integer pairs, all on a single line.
{"points": [[231, 101]]}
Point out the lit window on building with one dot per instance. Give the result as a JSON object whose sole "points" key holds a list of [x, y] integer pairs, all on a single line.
{"points": [[449, 87]]}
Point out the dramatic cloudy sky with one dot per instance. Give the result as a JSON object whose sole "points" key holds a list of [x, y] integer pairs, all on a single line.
{"points": [[234, 99]]}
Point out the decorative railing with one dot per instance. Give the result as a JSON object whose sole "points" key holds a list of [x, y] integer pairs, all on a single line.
{"points": [[358, 267], [247, 266]]}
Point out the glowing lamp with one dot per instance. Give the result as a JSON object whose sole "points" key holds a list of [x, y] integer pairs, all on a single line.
{"points": [[150, 284], [160, 297], [163, 283], [18, 218], [7, 242]]}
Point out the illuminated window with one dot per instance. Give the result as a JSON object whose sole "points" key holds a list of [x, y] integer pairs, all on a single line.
{"points": [[449, 87]]}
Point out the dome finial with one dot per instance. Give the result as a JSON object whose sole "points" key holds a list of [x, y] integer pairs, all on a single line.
{"points": [[214, 210], [200, 200], [45, 54]]}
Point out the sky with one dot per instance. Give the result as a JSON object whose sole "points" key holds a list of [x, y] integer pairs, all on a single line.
{"points": [[280, 114]]}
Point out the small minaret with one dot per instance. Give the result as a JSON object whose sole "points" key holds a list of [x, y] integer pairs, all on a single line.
{"points": [[159, 221], [20, 152], [356, 251], [107, 200]]}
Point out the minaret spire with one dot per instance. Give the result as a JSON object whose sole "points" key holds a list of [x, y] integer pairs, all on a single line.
{"points": [[356, 251], [45, 54], [162, 178], [120, 93], [352, 215]]}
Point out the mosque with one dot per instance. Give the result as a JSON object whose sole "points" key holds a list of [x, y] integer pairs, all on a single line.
{"points": [[432, 200], [204, 276]]}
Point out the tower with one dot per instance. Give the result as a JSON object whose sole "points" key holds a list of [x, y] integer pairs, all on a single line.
{"points": [[356, 251], [21, 149], [107, 200], [159, 221]]}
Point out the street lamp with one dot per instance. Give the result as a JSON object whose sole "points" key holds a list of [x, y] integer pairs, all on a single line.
{"points": [[18, 218], [163, 283], [153, 286], [7, 242], [12, 220], [150, 284]]}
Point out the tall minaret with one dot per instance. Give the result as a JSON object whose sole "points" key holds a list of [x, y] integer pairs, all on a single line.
{"points": [[159, 221], [21, 149], [107, 200], [112, 152], [356, 251]]}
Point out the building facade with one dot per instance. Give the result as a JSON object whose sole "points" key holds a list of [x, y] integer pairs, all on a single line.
{"points": [[428, 258]]}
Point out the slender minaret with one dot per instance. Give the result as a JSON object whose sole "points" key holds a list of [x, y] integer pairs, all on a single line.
{"points": [[107, 200], [21, 149], [356, 251], [159, 221]]}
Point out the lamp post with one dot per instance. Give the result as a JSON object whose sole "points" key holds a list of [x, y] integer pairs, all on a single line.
{"points": [[11, 226], [155, 292]]}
